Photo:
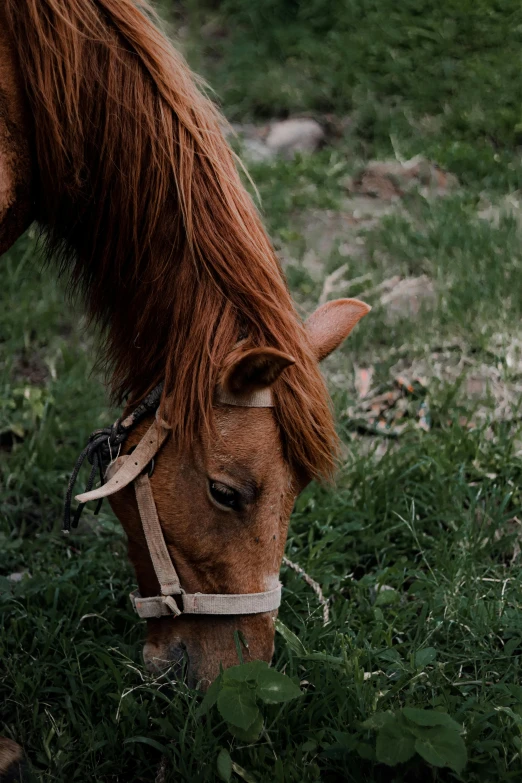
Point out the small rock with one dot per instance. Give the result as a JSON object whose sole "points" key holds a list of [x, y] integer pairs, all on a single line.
{"points": [[291, 136], [18, 576], [251, 137], [32, 368], [256, 152]]}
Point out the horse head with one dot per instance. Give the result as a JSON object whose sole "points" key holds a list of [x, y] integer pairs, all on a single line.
{"points": [[224, 507]]}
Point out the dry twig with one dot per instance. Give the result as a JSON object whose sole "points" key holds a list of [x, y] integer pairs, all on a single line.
{"points": [[313, 584]]}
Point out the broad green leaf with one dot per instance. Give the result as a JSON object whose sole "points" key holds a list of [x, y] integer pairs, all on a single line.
{"points": [[378, 720], [237, 705], [224, 765], [274, 687], [424, 657], [430, 718], [395, 743], [344, 737], [365, 751], [344, 745], [290, 638], [244, 672], [391, 655], [210, 697], [248, 735], [442, 747]]}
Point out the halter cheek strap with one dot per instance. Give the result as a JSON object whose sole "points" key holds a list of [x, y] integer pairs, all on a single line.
{"points": [[131, 469]]}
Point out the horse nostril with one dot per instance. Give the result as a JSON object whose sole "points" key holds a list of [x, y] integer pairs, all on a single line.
{"points": [[177, 652]]}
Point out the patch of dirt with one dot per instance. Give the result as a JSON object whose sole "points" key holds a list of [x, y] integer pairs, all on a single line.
{"points": [[323, 230], [30, 368], [391, 180], [390, 411], [491, 390], [488, 392]]}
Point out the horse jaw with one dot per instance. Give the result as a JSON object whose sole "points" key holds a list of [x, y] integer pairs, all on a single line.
{"points": [[16, 169]]}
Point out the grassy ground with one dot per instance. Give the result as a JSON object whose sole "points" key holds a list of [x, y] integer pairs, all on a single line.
{"points": [[417, 546]]}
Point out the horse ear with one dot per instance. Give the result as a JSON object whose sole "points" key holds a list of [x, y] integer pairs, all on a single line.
{"points": [[332, 323], [254, 369]]}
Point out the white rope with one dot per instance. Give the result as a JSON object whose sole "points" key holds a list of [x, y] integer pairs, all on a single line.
{"points": [[316, 587]]}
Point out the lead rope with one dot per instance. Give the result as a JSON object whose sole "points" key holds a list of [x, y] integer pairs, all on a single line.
{"points": [[99, 451]]}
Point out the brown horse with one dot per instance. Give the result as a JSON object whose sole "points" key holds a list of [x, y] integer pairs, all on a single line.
{"points": [[109, 144]]}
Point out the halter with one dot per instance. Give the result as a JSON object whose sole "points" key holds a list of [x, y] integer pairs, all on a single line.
{"points": [[131, 468]]}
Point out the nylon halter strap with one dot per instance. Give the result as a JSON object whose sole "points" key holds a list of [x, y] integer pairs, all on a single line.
{"points": [[131, 469]]}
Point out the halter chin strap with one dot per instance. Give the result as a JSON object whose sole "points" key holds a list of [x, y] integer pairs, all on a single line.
{"points": [[131, 469]]}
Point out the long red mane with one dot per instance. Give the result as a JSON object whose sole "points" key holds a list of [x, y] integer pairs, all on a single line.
{"points": [[140, 199]]}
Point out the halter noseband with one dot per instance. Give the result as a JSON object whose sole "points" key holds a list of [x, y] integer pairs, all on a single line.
{"points": [[131, 468]]}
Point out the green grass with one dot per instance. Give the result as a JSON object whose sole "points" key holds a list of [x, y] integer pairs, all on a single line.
{"points": [[329, 54], [433, 517], [443, 78]]}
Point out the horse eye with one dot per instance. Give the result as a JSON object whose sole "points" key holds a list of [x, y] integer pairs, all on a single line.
{"points": [[223, 495]]}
